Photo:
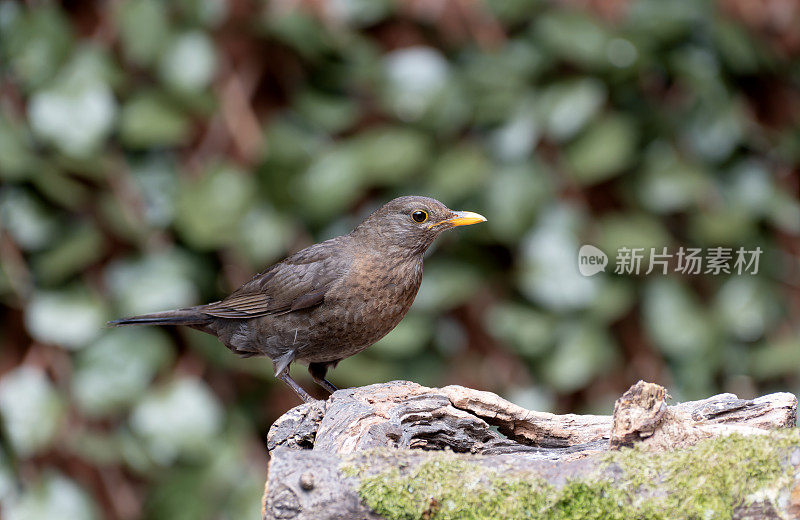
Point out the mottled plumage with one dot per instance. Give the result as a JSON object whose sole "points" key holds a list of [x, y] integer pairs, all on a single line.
{"points": [[330, 300]]}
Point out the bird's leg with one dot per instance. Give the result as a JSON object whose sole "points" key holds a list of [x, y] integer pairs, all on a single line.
{"points": [[302, 394], [281, 365], [318, 371]]}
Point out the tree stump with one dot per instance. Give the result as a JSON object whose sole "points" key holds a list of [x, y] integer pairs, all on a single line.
{"points": [[401, 450]]}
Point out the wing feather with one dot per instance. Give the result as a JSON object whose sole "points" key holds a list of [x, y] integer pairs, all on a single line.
{"points": [[299, 282]]}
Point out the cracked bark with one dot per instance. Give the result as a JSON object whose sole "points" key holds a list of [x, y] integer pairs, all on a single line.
{"points": [[309, 442]]}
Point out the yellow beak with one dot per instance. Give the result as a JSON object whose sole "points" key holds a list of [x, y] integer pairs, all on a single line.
{"points": [[462, 218]]}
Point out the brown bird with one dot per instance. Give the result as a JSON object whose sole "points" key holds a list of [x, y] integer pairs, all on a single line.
{"points": [[328, 301]]}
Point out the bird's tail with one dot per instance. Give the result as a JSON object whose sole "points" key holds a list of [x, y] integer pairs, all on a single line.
{"points": [[189, 316]]}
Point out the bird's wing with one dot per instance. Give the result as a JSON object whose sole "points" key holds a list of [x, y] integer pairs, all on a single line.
{"points": [[299, 282]]}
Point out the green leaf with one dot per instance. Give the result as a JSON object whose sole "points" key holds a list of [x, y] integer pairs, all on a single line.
{"points": [[715, 128], [631, 230], [408, 339], [458, 172], [330, 113], [52, 497], [738, 47], [724, 225], [70, 318], [391, 155], [584, 351], [75, 250], [76, 112], [784, 212], [776, 358], [113, 372], [32, 409], [189, 62], [568, 106], [573, 36], [675, 320], [607, 148], [746, 307], [265, 235], [514, 196], [289, 145], [659, 21], [548, 272], [180, 418], [143, 29], [363, 370], [615, 297], [497, 80], [157, 181], [414, 79], [211, 208], [446, 284], [517, 137], [301, 31], [27, 219], [331, 183], [669, 183], [361, 13], [204, 12], [16, 159], [149, 120], [509, 11], [60, 188], [181, 494], [526, 330], [35, 44]]}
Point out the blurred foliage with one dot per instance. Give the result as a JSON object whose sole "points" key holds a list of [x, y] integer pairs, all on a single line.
{"points": [[154, 155]]}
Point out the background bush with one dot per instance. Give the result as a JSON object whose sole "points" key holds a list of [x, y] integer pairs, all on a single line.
{"points": [[154, 155]]}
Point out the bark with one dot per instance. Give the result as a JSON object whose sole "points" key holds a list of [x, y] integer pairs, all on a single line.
{"points": [[312, 443]]}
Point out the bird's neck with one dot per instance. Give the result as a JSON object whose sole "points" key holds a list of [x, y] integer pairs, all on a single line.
{"points": [[372, 241], [396, 275]]}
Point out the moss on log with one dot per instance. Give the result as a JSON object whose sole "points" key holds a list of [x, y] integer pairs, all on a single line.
{"points": [[722, 457], [729, 477]]}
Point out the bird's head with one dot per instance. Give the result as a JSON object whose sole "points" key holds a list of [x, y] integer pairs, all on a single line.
{"points": [[412, 223]]}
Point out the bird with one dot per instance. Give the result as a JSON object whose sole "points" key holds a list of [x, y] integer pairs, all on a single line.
{"points": [[330, 300]]}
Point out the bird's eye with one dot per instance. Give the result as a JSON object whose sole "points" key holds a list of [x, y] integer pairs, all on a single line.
{"points": [[419, 216]]}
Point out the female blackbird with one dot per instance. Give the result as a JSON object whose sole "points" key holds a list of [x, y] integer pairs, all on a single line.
{"points": [[328, 301]]}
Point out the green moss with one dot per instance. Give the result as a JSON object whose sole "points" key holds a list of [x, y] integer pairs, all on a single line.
{"points": [[709, 479], [706, 481], [449, 487]]}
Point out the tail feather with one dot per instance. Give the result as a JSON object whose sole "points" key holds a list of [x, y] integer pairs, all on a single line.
{"points": [[190, 316]]}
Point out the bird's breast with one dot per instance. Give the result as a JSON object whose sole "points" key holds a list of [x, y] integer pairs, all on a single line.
{"points": [[373, 297], [382, 286], [361, 308]]}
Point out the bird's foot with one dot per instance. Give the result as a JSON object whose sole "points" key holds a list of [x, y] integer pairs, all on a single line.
{"points": [[302, 394], [327, 385], [318, 371]]}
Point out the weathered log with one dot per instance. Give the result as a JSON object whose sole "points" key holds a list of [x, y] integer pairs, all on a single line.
{"points": [[402, 414], [346, 457], [642, 415]]}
